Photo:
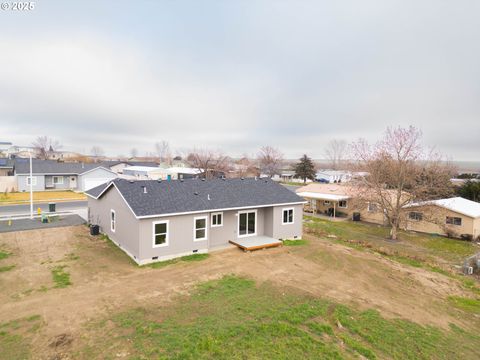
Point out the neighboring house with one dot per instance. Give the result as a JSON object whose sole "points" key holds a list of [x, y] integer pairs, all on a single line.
{"points": [[117, 166], [340, 200], [54, 175], [6, 167], [140, 172], [288, 176], [455, 217], [155, 220], [156, 173], [333, 176]]}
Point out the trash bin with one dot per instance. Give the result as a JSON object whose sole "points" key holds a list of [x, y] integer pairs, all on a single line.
{"points": [[94, 230], [356, 216], [51, 207]]}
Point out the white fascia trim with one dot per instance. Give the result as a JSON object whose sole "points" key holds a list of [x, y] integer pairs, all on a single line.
{"points": [[428, 203], [219, 210], [107, 187], [190, 212]]}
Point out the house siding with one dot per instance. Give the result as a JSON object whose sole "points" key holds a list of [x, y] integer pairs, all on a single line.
{"points": [[126, 233], [435, 222], [287, 231], [22, 183], [49, 185]]}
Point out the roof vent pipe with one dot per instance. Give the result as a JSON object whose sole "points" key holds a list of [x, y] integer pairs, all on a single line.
{"points": [[144, 189], [208, 197]]}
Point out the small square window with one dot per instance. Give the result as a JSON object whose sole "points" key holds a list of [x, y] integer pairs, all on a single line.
{"points": [[416, 216], [342, 204], [452, 220], [217, 219], [287, 216]]}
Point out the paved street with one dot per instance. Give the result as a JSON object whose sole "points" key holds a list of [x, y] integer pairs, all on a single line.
{"points": [[76, 207], [25, 208]]}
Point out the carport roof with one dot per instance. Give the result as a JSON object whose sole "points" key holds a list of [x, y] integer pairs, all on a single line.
{"points": [[148, 198]]}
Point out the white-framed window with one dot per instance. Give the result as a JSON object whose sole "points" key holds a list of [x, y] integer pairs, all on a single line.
{"points": [[217, 219], [33, 180], [372, 207], [415, 215], [160, 233], [326, 202], [200, 228], [287, 216], [247, 223], [342, 204], [113, 220], [58, 180], [453, 220]]}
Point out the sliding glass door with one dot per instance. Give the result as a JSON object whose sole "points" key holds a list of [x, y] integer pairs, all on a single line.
{"points": [[247, 223]]}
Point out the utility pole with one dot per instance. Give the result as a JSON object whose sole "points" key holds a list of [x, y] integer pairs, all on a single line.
{"points": [[31, 186]]}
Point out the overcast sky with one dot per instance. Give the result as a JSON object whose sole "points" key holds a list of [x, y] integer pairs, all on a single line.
{"points": [[236, 75]]}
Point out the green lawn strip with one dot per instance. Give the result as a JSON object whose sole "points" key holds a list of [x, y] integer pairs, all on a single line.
{"points": [[188, 258], [4, 254], [15, 337], [6, 268], [298, 242], [61, 278], [234, 318], [465, 304]]}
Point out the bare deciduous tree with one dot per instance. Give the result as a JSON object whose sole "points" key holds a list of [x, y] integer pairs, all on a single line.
{"points": [[97, 152], [44, 144], [163, 151], [210, 163], [400, 171], [270, 160], [335, 152]]}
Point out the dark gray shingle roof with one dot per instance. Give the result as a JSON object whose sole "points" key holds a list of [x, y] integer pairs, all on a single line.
{"points": [[22, 166], [168, 197]]}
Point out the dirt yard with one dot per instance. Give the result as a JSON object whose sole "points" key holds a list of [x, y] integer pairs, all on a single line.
{"points": [[102, 279]]}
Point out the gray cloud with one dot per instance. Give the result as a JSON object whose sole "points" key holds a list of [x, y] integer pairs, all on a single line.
{"points": [[239, 75]]}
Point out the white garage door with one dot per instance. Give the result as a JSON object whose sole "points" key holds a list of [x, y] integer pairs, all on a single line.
{"points": [[91, 183]]}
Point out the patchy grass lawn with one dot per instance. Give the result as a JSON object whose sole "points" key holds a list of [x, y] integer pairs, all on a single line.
{"points": [[16, 335], [298, 242], [22, 197], [188, 258], [233, 318], [61, 277], [420, 250]]}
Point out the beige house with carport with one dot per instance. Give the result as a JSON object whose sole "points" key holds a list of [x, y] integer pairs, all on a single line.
{"points": [[339, 201]]}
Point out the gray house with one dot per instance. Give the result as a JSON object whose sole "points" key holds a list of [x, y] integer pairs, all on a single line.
{"points": [[155, 220], [55, 175]]}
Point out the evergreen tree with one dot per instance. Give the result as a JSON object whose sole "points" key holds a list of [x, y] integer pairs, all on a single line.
{"points": [[305, 169], [470, 190]]}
